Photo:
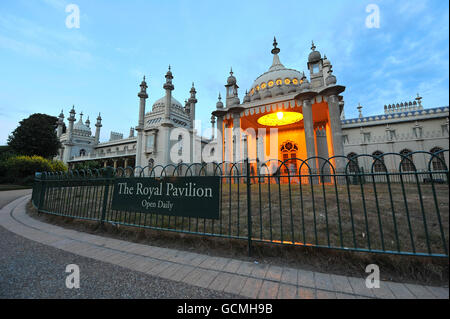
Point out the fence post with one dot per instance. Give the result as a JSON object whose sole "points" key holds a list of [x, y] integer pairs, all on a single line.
{"points": [[108, 178], [249, 208], [42, 192]]}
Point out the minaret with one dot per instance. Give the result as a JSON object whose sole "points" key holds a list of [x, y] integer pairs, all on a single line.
{"points": [[315, 66], [68, 144], [98, 125], [60, 124], [140, 128], [166, 124], [232, 90], [168, 86], [192, 101]]}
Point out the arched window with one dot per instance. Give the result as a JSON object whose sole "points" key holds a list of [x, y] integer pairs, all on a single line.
{"points": [[180, 144], [407, 164], [353, 163], [289, 151], [378, 165], [438, 161], [151, 162], [82, 152]]}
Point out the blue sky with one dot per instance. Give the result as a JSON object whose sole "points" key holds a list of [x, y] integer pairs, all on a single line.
{"points": [[46, 67]]}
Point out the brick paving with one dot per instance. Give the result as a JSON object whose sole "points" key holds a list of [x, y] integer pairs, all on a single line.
{"points": [[243, 278]]}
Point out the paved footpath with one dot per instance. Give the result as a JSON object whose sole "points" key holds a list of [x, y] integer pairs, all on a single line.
{"points": [[221, 275]]}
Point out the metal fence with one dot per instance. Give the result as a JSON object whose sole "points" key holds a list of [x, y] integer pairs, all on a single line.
{"points": [[330, 203]]}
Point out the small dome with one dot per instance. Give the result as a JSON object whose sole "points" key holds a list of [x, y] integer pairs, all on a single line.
{"points": [[81, 127], [331, 79], [305, 85], [219, 103], [231, 80], [314, 56], [161, 103], [326, 62]]}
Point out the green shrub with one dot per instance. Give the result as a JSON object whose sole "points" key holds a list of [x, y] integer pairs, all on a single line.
{"points": [[21, 169], [88, 165]]}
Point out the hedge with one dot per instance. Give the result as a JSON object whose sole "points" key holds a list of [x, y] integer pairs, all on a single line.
{"points": [[20, 169]]}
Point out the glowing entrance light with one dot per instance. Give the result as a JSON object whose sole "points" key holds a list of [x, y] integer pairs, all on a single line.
{"points": [[280, 118]]}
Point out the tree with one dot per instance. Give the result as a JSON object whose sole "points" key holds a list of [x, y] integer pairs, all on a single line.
{"points": [[36, 135]]}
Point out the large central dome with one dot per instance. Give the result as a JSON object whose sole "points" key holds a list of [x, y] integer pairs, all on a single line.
{"points": [[278, 77]]}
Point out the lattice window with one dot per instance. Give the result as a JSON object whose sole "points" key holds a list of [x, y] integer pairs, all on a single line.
{"points": [[407, 164], [378, 162]]}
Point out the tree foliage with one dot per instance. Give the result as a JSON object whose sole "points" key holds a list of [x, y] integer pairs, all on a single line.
{"points": [[35, 135]]}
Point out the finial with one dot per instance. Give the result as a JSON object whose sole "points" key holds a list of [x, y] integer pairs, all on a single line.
{"points": [[313, 47], [231, 70], [275, 50], [359, 107], [220, 97], [169, 67]]}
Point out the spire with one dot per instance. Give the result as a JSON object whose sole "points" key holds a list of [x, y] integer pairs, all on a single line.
{"points": [[276, 64], [192, 99], [168, 85], [275, 50], [143, 93]]}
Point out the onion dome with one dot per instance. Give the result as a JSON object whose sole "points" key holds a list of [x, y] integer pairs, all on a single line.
{"points": [[246, 97], [305, 83], [219, 103], [326, 62], [80, 127], [277, 76], [314, 56], [331, 79], [231, 79]]}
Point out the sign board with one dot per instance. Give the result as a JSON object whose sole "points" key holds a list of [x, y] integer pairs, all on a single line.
{"points": [[193, 196]]}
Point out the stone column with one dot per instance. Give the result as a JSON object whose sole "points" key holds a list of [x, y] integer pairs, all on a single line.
{"points": [[220, 139], [309, 133], [237, 156], [140, 128], [336, 130]]}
